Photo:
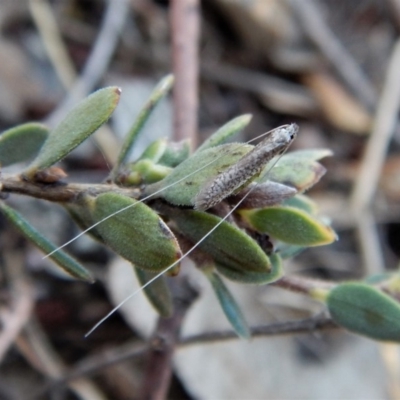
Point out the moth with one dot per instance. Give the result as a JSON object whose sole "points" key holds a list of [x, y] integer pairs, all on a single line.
{"points": [[228, 182], [248, 167]]}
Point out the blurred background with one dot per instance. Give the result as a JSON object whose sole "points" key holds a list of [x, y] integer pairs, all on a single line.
{"points": [[331, 66]]}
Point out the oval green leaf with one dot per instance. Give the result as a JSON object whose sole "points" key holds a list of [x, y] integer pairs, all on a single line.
{"points": [[159, 92], [365, 310], [62, 259], [78, 125], [21, 143], [294, 169], [146, 171], [289, 225], [302, 202], [181, 186], [175, 153], [289, 250], [229, 306], [254, 277], [226, 131], [156, 292], [155, 150], [137, 233], [227, 245]]}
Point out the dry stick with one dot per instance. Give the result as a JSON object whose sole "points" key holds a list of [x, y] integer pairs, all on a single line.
{"points": [[277, 93], [158, 371], [365, 186], [303, 285], [95, 363], [52, 40], [318, 31], [39, 352], [185, 27], [395, 6], [13, 319], [94, 70], [308, 325]]}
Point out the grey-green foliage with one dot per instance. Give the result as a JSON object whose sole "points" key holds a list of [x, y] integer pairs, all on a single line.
{"points": [[152, 233], [22, 143], [78, 125]]}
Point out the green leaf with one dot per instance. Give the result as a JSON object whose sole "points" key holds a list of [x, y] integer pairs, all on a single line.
{"points": [[229, 246], [83, 218], [254, 277], [289, 225], [296, 170], [226, 131], [155, 150], [175, 153], [288, 250], [146, 171], [184, 182], [159, 92], [365, 310], [78, 125], [229, 306], [21, 143], [137, 234], [62, 259], [156, 292], [302, 203]]}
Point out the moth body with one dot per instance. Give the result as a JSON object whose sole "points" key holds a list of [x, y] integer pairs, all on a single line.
{"points": [[246, 168]]}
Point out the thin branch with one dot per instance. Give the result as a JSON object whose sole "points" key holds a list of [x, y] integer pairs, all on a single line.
{"points": [[94, 70], [59, 192], [37, 349], [372, 163], [162, 346], [301, 284], [16, 316], [308, 325], [95, 363], [346, 66], [185, 26], [384, 125], [47, 25], [277, 93]]}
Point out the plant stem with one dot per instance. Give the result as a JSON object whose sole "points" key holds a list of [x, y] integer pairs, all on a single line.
{"points": [[59, 192], [159, 360]]}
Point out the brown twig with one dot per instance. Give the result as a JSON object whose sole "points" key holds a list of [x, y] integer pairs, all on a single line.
{"points": [[38, 351], [301, 284], [185, 23], [318, 31], [46, 23], [308, 325], [277, 93], [372, 163], [95, 363], [58, 192], [13, 319], [94, 70], [159, 360]]}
